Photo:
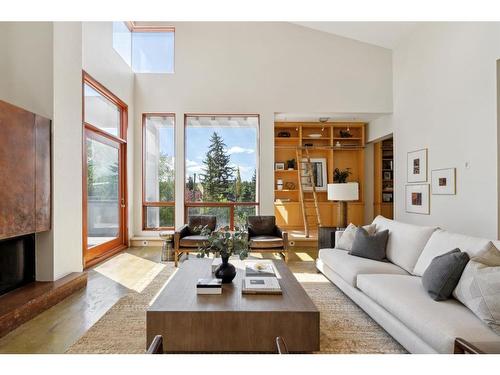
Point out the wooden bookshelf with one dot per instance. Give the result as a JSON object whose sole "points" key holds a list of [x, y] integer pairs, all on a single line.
{"points": [[339, 152], [383, 199]]}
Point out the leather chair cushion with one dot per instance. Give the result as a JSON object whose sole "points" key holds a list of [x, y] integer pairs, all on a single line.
{"points": [[192, 241], [266, 242], [261, 225], [199, 221]]}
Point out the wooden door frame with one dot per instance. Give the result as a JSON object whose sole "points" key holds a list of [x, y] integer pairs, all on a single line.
{"points": [[122, 243]]}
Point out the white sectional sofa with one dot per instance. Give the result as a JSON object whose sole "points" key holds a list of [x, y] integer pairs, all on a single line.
{"points": [[392, 293]]}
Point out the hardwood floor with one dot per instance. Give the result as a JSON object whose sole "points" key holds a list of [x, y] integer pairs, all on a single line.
{"points": [[57, 328]]}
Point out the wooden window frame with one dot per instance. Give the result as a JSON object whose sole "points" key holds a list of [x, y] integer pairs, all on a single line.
{"points": [[134, 28], [146, 204], [231, 205], [112, 247]]}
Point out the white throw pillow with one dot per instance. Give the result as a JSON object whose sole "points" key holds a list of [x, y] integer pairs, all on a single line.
{"points": [[443, 241], [479, 287], [347, 238]]}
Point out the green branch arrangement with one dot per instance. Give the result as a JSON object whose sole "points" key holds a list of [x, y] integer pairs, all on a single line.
{"points": [[225, 243], [340, 176]]}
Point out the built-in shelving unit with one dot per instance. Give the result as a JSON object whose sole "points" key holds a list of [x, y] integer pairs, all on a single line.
{"points": [[384, 178], [330, 141]]}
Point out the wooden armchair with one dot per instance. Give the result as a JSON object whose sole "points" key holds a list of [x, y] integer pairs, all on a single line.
{"points": [[188, 237], [265, 236]]}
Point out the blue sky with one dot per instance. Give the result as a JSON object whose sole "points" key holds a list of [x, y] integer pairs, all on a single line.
{"points": [[241, 145]]}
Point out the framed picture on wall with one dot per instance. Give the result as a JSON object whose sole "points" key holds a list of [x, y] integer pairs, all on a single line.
{"points": [[443, 181], [319, 174], [417, 166], [417, 199], [279, 166]]}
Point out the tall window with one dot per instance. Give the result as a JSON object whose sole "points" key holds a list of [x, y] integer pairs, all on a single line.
{"points": [[158, 171], [145, 49], [221, 164]]}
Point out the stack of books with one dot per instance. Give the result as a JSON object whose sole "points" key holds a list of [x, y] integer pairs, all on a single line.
{"points": [[209, 286], [260, 278]]}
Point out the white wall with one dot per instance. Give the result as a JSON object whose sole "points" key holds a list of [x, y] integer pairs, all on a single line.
{"points": [[105, 65], [379, 128], [260, 68], [445, 99]]}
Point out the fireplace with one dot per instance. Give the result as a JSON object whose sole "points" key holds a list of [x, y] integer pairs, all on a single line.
{"points": [[17, 262]]}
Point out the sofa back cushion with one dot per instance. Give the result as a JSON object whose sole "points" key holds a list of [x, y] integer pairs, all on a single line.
{"points": [[406, 241], [443, 241]]}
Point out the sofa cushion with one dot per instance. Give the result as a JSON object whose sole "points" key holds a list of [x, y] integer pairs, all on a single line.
{"points": [[347, 238], [349, 267], [405, 242], [436, 323], [443, 241], [193, 241], [442, 275], [266, 242], [479, 287], [369, 246]]}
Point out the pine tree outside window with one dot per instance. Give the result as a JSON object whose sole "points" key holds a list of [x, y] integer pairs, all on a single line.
{"points": [[221, 164]]}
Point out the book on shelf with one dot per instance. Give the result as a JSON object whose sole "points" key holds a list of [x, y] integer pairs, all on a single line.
{"points": [[259, 268], [209, 286], [261, 285]]}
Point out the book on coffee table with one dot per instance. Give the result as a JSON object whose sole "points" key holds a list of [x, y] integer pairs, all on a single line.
{"points": [[259, 269], [261, 285], [209, 286]]}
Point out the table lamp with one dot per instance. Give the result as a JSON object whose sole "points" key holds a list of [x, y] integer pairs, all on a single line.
{"points": [[343, 193]]}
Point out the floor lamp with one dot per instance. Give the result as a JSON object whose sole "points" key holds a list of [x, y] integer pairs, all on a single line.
{"points": [[343, 193]]}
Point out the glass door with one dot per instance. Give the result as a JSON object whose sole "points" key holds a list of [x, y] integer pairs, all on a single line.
{"points": [[104, 189]]}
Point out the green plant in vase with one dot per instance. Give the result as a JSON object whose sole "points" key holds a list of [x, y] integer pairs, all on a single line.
{"points": [[223, 242], [341, 176]]}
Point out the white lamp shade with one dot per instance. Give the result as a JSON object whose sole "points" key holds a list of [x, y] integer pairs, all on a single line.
{"points": [[343, 192]]}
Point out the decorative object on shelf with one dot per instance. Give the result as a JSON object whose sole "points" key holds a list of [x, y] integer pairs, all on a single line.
{"points": [[387, 197], [341, 176], [289, 185], [224, 243], [443, 181], [279, 184], [387, 164], [308, 144], [280, 166], [315, 135], [343, 192], [290, 164], [338, 144], [345, 133], [319, 174], [417, 199], [284, 134], [387, 175], [417, 166]]}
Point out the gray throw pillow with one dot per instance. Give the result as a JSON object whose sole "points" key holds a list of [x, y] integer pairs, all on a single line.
{"points": [[443, 274], [369, 246]]}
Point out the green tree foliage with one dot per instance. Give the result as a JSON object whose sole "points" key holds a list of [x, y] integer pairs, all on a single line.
{"points": [[166, 189], [218, 174]]}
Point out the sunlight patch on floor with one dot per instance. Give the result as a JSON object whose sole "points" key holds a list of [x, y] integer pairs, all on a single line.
{"points": [[131, 271], [310, 277], [305, 257]]}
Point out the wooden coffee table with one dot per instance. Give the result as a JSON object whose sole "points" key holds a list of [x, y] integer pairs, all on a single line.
{"points": [[231, 322]]}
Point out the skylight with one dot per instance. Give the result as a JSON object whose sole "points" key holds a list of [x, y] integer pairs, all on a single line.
{"points": [[145, 50]]}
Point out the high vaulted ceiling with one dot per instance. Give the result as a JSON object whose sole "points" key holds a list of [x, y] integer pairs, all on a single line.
{"points": [[383, 34]]}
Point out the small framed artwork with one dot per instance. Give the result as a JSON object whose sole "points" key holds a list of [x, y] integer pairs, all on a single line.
{"points": [[386, 197], [417, 199], [387, 175], [279, 166], [443, 181], [417, 166]]}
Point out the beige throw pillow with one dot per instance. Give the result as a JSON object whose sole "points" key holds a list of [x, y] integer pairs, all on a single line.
{"points": [[479, 287], [347, 238]]}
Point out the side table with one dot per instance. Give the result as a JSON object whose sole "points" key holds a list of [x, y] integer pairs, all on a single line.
{"points": [[167, 247]]}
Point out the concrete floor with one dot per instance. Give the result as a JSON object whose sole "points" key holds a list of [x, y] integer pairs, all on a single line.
{"points": [[57, 328]]}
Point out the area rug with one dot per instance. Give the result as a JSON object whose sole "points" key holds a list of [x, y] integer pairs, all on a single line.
{"points": [[344, 327]]}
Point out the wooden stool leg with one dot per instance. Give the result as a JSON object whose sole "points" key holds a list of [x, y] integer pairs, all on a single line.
{"points": [[176, 258]]}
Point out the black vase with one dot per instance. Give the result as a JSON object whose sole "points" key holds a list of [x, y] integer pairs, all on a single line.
{"points": [[226, 271]]}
